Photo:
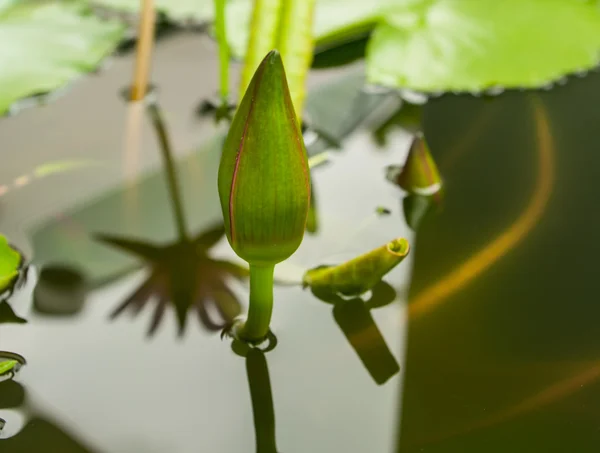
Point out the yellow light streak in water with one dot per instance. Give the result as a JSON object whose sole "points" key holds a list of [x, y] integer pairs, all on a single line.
{"points": [[474, 266]]}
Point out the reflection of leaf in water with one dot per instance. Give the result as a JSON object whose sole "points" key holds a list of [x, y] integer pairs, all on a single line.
{"points": [[8, 316], [358, 326], [465, 272], [184, 275], [45, 45], [542, 397]]}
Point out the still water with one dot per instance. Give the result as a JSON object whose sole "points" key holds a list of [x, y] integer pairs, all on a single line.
{"points": [[485, 339]]}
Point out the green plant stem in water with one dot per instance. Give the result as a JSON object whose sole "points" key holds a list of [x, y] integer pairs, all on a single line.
{"points": [[223, 51], [263, 410], [165, 148], [256, 326]]}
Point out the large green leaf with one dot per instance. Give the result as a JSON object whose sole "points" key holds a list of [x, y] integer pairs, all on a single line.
{"points": [[462, 45], [46, 44], [467, 45], [10, 261]]}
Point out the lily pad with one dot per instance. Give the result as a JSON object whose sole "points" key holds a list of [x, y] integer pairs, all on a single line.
{"points": [[455, 45], [10, 262], [46, 44], [465, 45]]}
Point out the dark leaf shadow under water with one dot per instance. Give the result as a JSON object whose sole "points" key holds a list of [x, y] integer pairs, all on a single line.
{"points": [[60, 290], [353, 317], [38, 434], [8, 316], [184, 275]]}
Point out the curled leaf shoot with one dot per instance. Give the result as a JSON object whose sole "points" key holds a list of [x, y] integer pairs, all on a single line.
{"points": [[357, 276]]}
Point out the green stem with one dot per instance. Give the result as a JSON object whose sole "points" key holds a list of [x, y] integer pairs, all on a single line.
{"points": [[223, 50], [256, 326], [165, 148], [262, 401]]}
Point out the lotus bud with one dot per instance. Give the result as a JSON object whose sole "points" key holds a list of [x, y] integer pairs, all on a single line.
{"points": [[264, 181], [420, 174], [264, 185], [360, 274]]}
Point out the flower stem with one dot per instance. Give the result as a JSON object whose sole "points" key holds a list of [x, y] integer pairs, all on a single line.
{"points": [[256, 326], [171, 174]]}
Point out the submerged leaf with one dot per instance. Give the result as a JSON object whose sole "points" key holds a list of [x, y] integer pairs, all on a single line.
{"points": [[45, 45], [360, 274]]}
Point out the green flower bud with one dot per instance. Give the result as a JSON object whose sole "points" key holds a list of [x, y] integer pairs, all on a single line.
{"points": [[264, 180]]}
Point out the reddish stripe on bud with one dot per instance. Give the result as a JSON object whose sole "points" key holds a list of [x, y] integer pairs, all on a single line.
{"points": [[239, 154]]}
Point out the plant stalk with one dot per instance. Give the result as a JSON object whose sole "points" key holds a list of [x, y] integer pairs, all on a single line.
{"points": [[256, 326], [223, 51], [165, 148], [144, 50]]}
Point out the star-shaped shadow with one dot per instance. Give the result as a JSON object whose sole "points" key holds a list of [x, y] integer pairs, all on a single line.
{"points": [[184, 275]]}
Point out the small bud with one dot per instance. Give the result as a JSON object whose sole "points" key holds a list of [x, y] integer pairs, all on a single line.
{"points": [[420, 174], [264, 179]]}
